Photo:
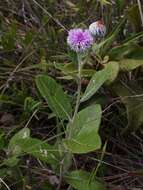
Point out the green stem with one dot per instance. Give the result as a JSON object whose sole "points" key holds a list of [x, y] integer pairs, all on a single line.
{"points": [[78, 88], [94, 174], [68, 156], [80, 64]]}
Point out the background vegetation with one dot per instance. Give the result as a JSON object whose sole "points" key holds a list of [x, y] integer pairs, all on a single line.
{"points": [[32, 43]]}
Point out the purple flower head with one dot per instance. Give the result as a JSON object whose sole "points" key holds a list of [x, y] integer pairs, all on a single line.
{"points": [[97, 29], [79, 40]]}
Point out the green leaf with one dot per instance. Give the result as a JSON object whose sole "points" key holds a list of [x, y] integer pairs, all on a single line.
{"points": [[83, 143], [115, 71], [71, 70], [130, 64], [133, 102], [22, 134], [80, 180], [5, 172], [39, 149], [97, 81], [11, 162], [119, 52], [22, 143], [128, 50], [84, 131], [54, 95], [133, 38]]}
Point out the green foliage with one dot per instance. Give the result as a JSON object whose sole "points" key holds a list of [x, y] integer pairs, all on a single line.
{"points": [[54, 95], [70, 71], [11, 162], [97, 80], [81, 180], [129, 49], [21, 143], [115, 70], [5, 172], [30, 106], [130, 64], [22, 134], [39, 149], [84, 135], [33, 45]]}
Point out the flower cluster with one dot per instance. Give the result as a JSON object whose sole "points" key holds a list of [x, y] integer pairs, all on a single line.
{"points": [[81, 40]]}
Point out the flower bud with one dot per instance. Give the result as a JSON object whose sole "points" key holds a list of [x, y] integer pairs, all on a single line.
{"points": [[97, 29]]}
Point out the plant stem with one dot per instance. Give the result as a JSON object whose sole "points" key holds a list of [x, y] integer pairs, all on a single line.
{"points": [[68, 156], [78, 93], [78, 88], [80, 64]]}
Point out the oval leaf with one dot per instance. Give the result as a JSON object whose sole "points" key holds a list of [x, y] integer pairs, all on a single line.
{"points": [[84, 134], [54, 96], [84, 143], [21, 135]]}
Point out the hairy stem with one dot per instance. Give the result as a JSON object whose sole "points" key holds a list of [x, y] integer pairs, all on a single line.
{"points": [[68, 155], [78, 88], [80, 64]]}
